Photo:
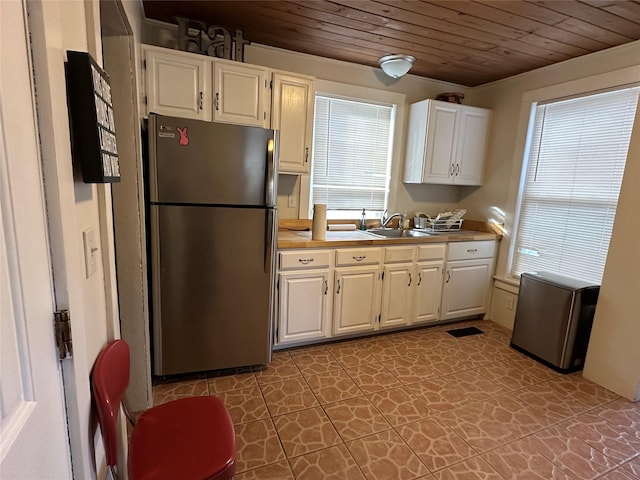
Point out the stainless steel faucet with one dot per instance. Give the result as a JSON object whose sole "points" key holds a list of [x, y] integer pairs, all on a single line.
{"points": [[384, 220]]}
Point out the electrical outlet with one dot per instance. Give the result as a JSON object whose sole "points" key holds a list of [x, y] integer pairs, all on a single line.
{"points": [[292, 201], [509, 303]]}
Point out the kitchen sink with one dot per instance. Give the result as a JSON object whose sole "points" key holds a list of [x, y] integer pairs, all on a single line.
{"points": [[396, 233]]}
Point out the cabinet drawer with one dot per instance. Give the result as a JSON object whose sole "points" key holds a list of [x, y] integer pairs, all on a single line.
{"points": [[358, 256], [304, 259], [398, 254], [469, 250], [431, 252]]}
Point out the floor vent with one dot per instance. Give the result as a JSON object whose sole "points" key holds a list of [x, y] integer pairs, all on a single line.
{"points": [[464, 332]]}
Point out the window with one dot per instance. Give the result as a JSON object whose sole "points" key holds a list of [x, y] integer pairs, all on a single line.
{"points": [[577, 150], [352, 145]]}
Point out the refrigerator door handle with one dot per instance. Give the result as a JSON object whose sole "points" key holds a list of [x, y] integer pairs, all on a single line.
{"points": [[272, 175], [272, 226]]}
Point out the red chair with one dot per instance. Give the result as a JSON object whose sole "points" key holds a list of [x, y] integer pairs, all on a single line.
{"points": [[191, 438]]}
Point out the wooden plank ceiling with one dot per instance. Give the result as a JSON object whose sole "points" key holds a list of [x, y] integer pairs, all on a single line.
{"points": [[460, 41]]}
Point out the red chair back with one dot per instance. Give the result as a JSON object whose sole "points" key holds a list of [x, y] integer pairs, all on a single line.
{"points": [[109, 381]]}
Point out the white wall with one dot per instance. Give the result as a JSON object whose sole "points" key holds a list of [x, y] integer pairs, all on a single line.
{"points": [[613, 356]]}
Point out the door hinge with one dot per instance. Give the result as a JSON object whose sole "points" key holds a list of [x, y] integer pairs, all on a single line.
{"points": [[62, 322]]}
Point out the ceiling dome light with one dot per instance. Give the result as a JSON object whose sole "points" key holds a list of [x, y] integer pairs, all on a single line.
{"points": [[396, 65]]}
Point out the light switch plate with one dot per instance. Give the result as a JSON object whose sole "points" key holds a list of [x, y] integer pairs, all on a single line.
{"points": [[90, 251]]}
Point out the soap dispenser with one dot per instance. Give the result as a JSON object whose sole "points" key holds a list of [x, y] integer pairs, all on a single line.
{"points": [[363, 220], [404, 221]]}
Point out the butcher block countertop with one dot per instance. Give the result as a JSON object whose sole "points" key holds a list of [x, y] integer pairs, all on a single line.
{"points": [[356, 238]]}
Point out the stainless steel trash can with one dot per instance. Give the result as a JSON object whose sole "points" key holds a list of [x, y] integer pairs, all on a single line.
{"points": [[553, 319]]}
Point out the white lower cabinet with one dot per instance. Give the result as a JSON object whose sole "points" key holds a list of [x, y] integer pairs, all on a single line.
{"points": [[428, 291], [397, 295], [304, 296], [428, 284], [348, 291], [356, 299], [467, 279], [397, 286], [303, 301]]}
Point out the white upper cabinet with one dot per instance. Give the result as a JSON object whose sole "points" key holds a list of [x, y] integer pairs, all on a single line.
{"points": [[292, 115], [177, 83], [446, 143], [241, 94], [189, 85], [472, 145]]}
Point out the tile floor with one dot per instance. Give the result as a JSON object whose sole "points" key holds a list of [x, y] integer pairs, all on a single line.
{"points": [[422, 404]]}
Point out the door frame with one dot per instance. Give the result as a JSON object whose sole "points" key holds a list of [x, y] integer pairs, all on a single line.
{"points": [[73, 206]]}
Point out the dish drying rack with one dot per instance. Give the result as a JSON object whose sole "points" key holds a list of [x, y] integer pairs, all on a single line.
{"points": [[443, 222]]}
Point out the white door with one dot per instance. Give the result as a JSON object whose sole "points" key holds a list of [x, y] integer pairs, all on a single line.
{"points": [[472, 146], [356, 299], [303, 305], [240, 94], [397, 295], [292, 114], [33, 430], [178, 84], [426, 307], [442, 131], [466, 288]]}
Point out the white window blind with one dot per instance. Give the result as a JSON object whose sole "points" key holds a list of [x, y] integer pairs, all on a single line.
{"points": [[351, 154], [577, 153]]}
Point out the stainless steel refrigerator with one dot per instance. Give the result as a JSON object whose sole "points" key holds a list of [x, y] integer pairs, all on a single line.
{"points": [[213, 224]]}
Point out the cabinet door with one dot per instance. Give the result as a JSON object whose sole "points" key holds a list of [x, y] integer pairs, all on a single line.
{"points": [[356, 300], [240, 94], [397, 295], [292, 114], [466, 287], [178, 84], [303, 301], [472, 146], [428, 292], [441, 142]]}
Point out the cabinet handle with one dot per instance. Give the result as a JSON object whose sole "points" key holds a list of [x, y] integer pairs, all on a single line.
{"points": [[457, 169], [200, 100], [217, 101], [472, 250], [305, 261], [409, 280], [448, 276], [338, 291], [359, 258], [326, 287], [453, 169], [306, 155], [419, 278]]}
